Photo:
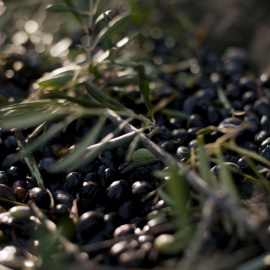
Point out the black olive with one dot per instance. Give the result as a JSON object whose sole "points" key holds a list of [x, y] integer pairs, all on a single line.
{"points": [[72, 183], [4, 178], [117, 192], [41, 197], [182, 153], [63, 197], [261, 136], [265, 152], [90, 223], [10, 143], [91, 176], [140, 188], [112, 220], [265, 122], [45, 165], [128, 210], [261, 107], [124, 229]]}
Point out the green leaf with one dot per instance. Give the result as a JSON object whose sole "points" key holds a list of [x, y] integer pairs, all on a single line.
{"points": [[103, 98], [62, 8], [223, 98], [112, 27], [79, 100], [175, 113], [29, 159], [75, 155], [96, 6], [144, 88], [138, 163], [105, 16], [178, 191], [142, 153], [204, 165], [77, 15], [29, 119], [226, 180], [58, 77]]}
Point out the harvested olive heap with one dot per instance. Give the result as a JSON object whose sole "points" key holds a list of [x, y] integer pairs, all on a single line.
{"points": [[103, 215]]}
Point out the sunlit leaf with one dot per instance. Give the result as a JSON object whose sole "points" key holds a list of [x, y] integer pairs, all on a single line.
{"points": [[28, 119], [105, 16], [144, 88], [113, 26], [58, 77]]}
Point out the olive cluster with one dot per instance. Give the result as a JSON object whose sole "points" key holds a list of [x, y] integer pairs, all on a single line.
{"points": [[111, 204]]}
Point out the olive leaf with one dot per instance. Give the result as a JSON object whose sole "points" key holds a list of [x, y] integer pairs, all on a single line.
{"points": [[29, 159], [104, 99], [77, 15], [112, 27], [62, 8], [144, 88]]}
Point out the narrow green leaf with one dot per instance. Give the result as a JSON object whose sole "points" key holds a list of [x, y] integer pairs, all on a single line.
{"points": [[112, 27], [58, 77], [144, 88], [77, 15], [204, 166], [105, 16], [79, 100], [96, 6], [62, 8], [29, 159], [28, 119], [223, 98], [248, 153], [139, 163], [226, 180], [178, 191], [175, 113], [104, 99], [75, 155]]}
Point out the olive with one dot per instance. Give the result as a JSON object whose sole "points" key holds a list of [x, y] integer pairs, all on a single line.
{"points": [[117, 192], [4, 178], [112, 220], [45, 165], [63, 197], [41, 197], [140, 188], [182, 153], [90, 223], [124, 229], [72, 183]]}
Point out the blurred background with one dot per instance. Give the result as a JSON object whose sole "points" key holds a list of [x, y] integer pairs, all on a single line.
{"points": [[184, 25]]}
